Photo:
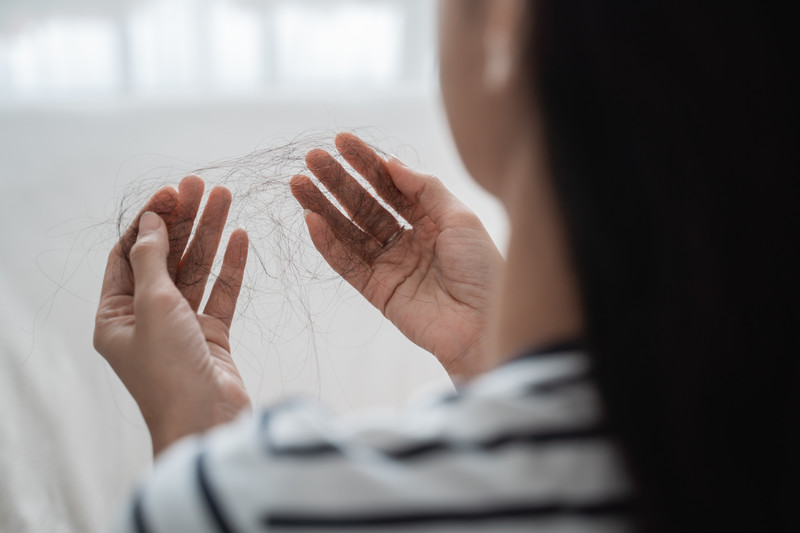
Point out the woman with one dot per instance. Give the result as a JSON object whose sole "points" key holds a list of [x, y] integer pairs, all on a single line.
{"points": [[641, 152]]}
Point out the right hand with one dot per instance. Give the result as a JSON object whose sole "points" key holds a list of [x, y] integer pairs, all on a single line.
{"points": [[435, 280]]}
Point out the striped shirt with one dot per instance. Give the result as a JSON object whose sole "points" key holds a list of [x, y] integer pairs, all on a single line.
{"points": [[521, 448]]}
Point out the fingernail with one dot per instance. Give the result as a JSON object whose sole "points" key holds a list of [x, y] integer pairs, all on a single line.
{"points": [[148, 223], [397, 159], [306, 212]]}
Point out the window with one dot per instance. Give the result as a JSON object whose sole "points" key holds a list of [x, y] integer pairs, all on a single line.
{"points": [[92, 49]]}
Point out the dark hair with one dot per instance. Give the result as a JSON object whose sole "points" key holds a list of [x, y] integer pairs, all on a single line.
{"points": [[670, 131]]}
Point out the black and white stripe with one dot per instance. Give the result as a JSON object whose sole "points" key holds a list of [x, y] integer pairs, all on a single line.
{"points": [[522, 447], [440, 446], [410, 517], [211, 501]]}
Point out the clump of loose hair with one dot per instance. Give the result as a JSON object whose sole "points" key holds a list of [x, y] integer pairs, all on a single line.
{"points": [[283, 265]]}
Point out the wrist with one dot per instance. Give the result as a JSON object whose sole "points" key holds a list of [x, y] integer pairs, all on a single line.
{"points": [[175, 422], [469, 364]]}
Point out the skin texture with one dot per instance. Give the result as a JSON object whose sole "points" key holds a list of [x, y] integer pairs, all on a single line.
{"points": [[433, 281], [175, 361]]}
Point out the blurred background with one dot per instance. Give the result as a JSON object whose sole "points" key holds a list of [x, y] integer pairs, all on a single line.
{"points": [[101, 101], [111, 48]]}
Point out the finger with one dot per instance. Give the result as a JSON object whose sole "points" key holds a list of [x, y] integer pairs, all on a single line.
{"points": [[149, 255], [372, 166], [163, 203], [362, 207], [118, 278], [351, 267], [433, 199], [195, 266], [190, 194], [222, 301], [359, 246]]}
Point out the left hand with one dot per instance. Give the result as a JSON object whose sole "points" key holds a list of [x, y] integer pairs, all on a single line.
{"points": [[175, 361]]}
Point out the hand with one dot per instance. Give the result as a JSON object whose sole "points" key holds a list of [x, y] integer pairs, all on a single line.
{"points": [[175, 361], [433, 281]]}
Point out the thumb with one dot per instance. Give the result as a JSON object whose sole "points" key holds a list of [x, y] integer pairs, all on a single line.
{"points": [[149, 253], [433, 198]]}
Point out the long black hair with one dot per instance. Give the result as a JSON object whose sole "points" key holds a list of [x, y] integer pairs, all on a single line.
{"points": [[671, 135]]}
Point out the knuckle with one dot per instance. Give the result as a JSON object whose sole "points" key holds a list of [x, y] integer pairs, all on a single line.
{"points": [[430, 181], [466, 218], [102, 343], [431, 185], [162, 298], [98, 342], [142, 249], [100, 332]]}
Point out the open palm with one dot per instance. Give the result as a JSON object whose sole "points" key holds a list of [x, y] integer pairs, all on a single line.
{"points": [[432, 280]]}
